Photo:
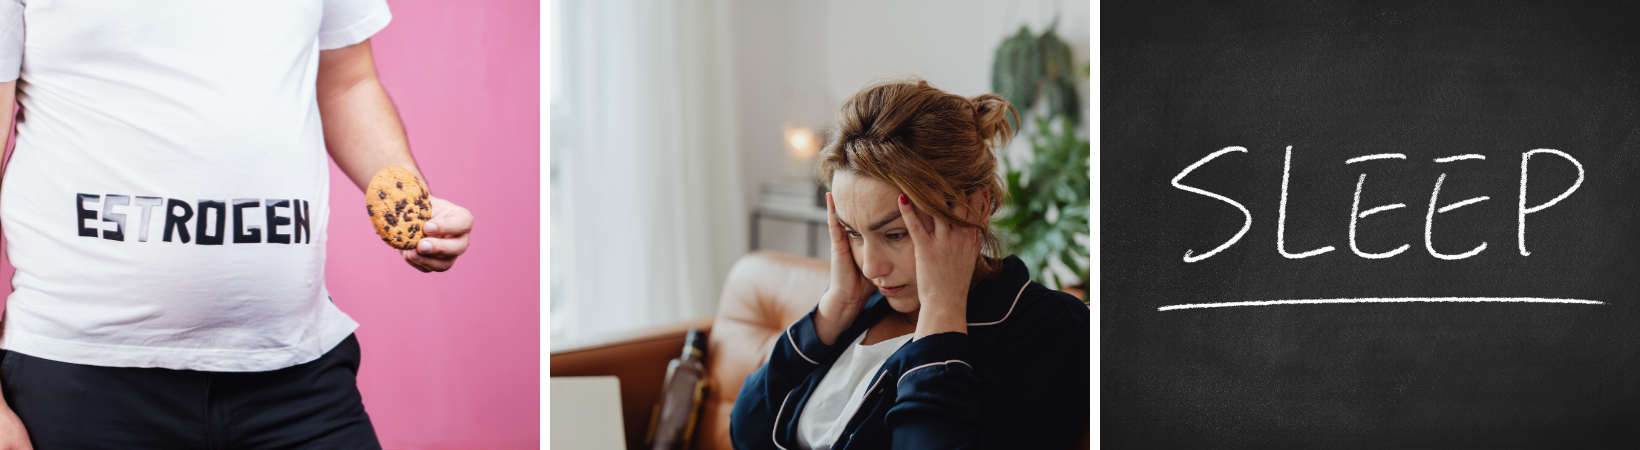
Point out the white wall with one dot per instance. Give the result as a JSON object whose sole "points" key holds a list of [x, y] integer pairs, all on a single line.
{"points": [[798, 61]]}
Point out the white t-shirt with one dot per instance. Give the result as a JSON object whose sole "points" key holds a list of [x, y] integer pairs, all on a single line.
{"points": [[841, 391], [188, 135]]}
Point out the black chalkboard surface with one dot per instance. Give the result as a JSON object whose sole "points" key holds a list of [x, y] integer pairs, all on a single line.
{"points": [[1370, 225]]}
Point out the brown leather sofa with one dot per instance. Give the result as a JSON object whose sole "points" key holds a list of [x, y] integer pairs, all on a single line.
{"points": [[765, 293]]}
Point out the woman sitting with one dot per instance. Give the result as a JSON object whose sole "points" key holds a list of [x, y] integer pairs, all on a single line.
{"points": [[925, 339]]}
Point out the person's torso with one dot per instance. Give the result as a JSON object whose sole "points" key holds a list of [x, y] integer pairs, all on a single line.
{"points": [[841, 391], [188, 136], [993, 355]]}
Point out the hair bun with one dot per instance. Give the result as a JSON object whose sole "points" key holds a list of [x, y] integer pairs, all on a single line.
{"points": [[991, 113]]}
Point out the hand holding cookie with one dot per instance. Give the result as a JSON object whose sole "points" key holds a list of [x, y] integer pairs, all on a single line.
{"points": [[429, 231], [445, 237]]}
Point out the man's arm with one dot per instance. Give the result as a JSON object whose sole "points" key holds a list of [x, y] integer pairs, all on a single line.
{"points": [[8, 97], [12, 434], [363, 134]]}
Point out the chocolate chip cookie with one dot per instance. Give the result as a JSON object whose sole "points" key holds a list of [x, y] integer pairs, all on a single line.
{"points": [[398, 207]]}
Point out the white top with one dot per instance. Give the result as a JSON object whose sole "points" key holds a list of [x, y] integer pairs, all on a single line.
{"points": [[841, 391], [188, 135]]}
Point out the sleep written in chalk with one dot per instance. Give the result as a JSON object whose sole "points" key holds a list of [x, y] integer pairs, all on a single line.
{"points": [[1435, 205]]}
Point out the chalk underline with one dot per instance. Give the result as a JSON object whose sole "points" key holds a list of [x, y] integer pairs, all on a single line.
{"points": [[1382, 300]]}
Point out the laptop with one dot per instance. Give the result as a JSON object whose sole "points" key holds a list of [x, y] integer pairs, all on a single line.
{"points": [[586, 413]]}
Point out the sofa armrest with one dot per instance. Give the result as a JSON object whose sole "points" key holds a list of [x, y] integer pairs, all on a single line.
{"points": [[638, 358]]}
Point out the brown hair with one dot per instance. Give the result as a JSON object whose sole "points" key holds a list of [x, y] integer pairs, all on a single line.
{"points": [[934, 146]]}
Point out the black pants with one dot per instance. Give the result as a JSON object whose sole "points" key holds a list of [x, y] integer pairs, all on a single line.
{"points": [[72, 406]]}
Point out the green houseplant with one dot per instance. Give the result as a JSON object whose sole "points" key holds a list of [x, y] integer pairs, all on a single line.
{"points": [[1045, 217]]}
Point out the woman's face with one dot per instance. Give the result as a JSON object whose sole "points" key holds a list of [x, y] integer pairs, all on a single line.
{"points": [[869, 211]]}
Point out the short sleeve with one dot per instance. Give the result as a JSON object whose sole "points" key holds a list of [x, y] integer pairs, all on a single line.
{"points": [[348, 22], [11, 40]]}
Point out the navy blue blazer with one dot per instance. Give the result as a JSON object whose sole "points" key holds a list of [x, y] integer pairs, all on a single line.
{"points": [[1018, 379]]}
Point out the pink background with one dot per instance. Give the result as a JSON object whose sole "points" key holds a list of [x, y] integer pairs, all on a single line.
{"points": [[452, 360]]}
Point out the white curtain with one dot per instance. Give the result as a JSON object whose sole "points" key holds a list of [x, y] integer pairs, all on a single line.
{"points": [[647, 210]]}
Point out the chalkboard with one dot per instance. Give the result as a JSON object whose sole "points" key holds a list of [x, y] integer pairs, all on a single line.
{"points": [[1370, 225]]}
